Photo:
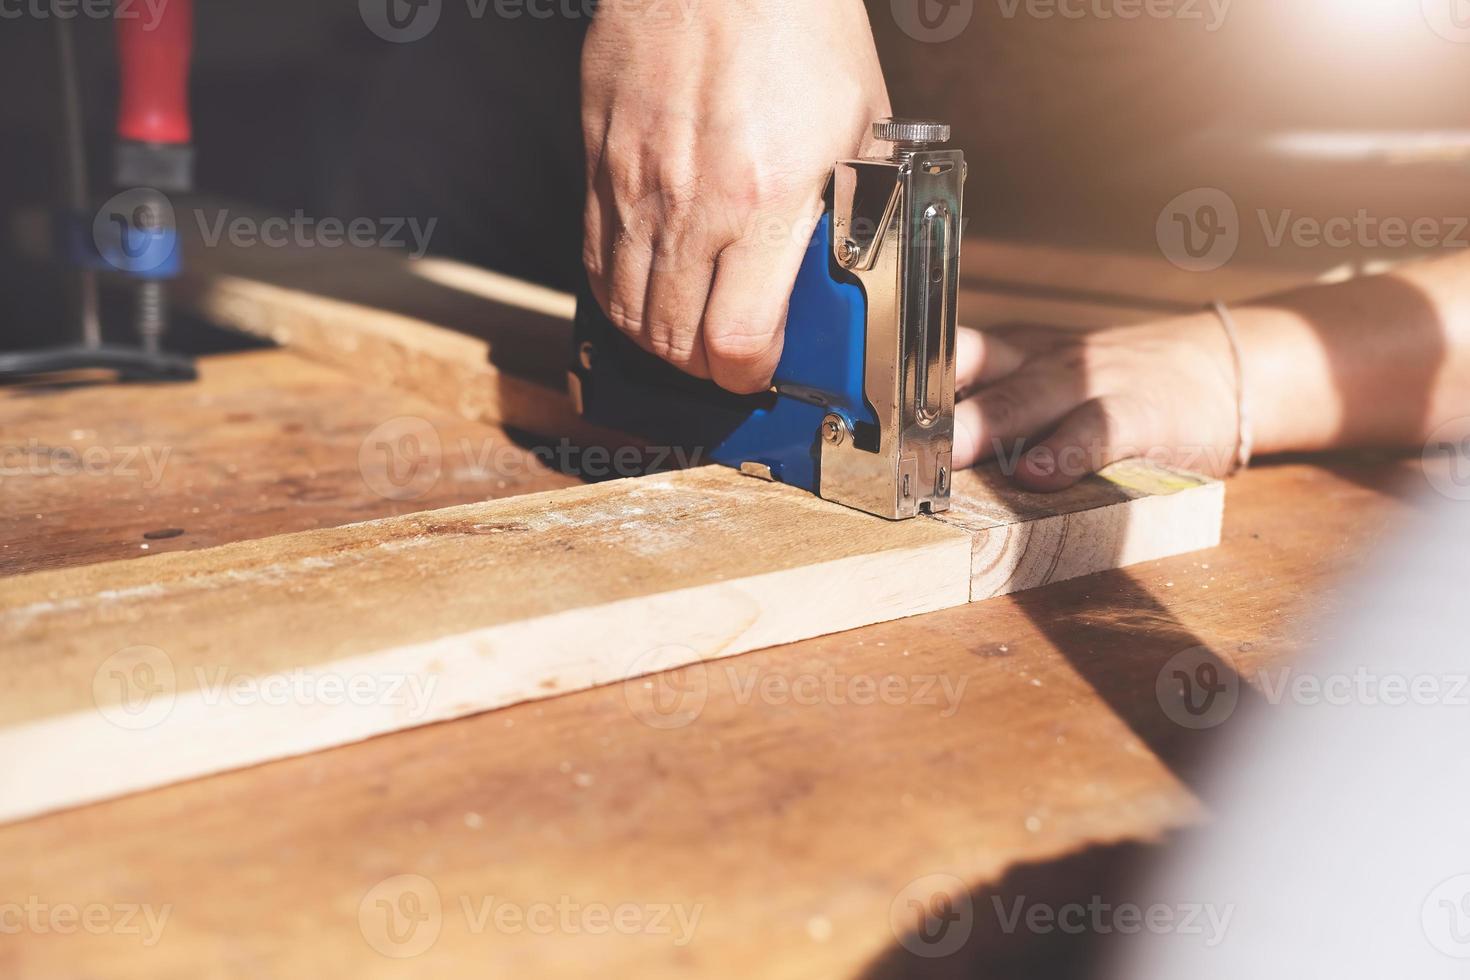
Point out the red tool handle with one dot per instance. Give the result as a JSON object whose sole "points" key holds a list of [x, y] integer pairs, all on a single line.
{"points": [[153, 54]]}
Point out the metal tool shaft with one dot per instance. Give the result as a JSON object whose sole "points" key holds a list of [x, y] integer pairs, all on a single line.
{"points": [[76, 172]]}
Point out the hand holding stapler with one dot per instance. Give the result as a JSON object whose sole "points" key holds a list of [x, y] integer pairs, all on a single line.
{"points": [[861, 407]]}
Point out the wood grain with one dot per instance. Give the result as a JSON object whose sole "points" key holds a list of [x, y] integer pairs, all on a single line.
{"points": [[1024, 741], [348, 316], [1131, 512], [485, 346], [480, 606], [264, 443], [123, 673]]}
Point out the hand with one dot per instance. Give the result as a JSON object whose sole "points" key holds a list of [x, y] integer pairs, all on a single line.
{"points": [[710, 136], [1055, 405]]}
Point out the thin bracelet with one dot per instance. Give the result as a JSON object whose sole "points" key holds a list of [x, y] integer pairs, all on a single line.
{"points": [[1244, 437]]}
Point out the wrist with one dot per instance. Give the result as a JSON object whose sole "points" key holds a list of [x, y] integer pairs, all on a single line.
{"points": [[1244, 433], [1226, 432], [1283, 366]]}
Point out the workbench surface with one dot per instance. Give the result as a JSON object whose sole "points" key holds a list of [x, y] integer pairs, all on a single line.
{"points": [[770, 826]]}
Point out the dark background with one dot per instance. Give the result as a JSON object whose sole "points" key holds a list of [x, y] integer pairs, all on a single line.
{"points": [[1077, 130]]}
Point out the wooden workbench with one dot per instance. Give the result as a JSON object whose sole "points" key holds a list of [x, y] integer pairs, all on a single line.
{"points": [[775, 822]]}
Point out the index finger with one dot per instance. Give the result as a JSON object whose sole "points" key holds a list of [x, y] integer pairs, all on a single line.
{"points": [[745, 318]]}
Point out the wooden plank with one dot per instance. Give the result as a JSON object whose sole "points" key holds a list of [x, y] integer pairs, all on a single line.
{"points": [[1021, 751], [478, 606], [264, 443], [375, 316], [446, 613]]}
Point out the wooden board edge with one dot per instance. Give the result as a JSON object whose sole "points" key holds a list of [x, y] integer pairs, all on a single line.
{"points": [[1015, 557]]}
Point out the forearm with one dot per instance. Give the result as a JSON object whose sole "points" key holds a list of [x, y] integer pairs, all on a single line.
{"points": [[1378, 361], [1381, 361]]}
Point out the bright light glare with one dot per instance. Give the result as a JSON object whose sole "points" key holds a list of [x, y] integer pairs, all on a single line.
{"points": [[1360, 18], [1371, 12], [1366, 145]]}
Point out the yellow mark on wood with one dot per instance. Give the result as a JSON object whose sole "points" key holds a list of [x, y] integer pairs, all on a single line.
{"points": [[1142, 477]]}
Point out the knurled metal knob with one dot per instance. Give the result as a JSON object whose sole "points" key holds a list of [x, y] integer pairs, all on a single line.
{"points": [[911, 131]]}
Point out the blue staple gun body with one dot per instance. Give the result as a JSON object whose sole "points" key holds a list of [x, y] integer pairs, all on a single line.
{"points": [[861, 407]]}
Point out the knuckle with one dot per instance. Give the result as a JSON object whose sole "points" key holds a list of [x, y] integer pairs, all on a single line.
{"points": [[678, 251], [675, 180], [687, 224], [627, 182], [658, 179], [754, 183], [675, 345], [625, 317], [740, 341]]}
